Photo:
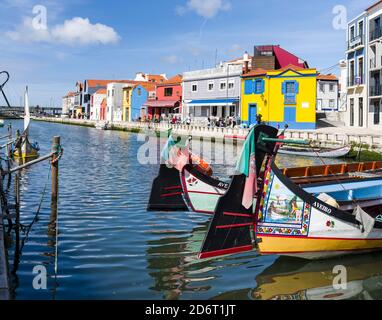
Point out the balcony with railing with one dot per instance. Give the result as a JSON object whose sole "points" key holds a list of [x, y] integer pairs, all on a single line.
{"points": [[356, 81], [356, 42], [376, 90], [375, 34]]}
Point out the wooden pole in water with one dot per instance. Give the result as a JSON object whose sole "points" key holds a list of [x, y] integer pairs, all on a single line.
{"points": [[56, 145], [17, 204]]}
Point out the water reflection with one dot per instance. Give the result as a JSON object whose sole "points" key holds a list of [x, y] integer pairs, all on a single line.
{"points": [[295, 279]]}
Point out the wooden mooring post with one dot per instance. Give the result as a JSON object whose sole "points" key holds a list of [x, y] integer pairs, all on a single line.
{"points": [[55, 150], [19, 151]]}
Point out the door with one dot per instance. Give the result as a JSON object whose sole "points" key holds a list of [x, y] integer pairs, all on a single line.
{"points": [[290, 115], [252, 117]]}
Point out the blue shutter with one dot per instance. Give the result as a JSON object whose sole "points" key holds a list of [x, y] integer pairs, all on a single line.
{"points": [[284, 88], [248, 87], [296, 87]]}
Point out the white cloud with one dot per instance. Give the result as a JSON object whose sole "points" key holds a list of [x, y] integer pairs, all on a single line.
{"points": [[205, 8], [77, 31], [81, 31]]}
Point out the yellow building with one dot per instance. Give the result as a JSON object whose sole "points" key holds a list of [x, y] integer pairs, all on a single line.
{"points": [[126, 103], [284, 96]]}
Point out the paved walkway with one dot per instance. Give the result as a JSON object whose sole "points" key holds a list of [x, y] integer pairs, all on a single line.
{"points": [[4, 286]]}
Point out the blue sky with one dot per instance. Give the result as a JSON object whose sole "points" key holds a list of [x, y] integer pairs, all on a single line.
{"points": [[115, 39]]}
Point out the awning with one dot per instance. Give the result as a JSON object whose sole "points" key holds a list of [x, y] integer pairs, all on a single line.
{"points": [[161, 104], [216, 102]]}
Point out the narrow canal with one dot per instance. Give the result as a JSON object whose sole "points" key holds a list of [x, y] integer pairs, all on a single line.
{"points": [[109, 247]]}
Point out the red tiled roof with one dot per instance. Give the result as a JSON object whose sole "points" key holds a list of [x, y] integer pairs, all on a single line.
{"points": [[157, 78], [173, 81], [327, 77], [255, 73]]}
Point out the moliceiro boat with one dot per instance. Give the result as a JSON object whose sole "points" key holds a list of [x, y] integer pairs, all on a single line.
{"points": [[186, 183], [29, 150], [326, 219]]}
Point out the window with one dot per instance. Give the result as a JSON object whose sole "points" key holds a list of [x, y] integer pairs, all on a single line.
{"points": [[331, 87], [351, 112], [139, 92], [360, 120], [194, 87], [290, 90], [259, 86], [352, 33], [168, 92], [210, 86], [360, 70], [205, 111], [352, 73], [231, 85], [377, 112], [232, 111], [322, 87], [332, 103], [214, 111], [223, 85], [360, 28]]}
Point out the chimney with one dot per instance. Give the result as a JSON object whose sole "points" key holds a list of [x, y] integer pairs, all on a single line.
{"points": [[246, 66]]}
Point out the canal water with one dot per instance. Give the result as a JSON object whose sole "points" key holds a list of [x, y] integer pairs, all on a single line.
{"points": [[109, 247]]}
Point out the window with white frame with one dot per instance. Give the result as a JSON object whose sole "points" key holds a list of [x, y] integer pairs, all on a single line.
{"points": [[331, 87], [194, 87], [332, 103], [210, 86], [231, 85], [223, 85]]}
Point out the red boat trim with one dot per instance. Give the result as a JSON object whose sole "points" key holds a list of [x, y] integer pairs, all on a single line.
{"points": [[315, 238], [173, 188], [228, 226], [233, 214], [171, 194], [223, 252], [210, 193]]}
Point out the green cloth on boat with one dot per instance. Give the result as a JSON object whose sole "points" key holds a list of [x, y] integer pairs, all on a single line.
{"points": [[243, 165]]}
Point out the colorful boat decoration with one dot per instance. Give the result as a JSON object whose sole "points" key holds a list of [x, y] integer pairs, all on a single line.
{"points": [[196, 189], [316, 152], [295, 221], [29, 150]]}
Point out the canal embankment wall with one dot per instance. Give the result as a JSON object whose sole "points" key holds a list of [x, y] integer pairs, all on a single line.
{"points": [[326, 136]]}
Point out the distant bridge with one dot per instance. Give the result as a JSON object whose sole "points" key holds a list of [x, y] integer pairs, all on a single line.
{"points": [[18, 112]]}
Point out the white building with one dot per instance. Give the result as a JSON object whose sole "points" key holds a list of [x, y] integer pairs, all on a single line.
{"points": [[214, 92], [364, 65], [95, 110], [68, 103], [114, 101], [327, 93]]}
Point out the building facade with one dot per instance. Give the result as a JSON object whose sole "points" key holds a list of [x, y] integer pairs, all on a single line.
{"points": [[96, 101], [114, 100], [134, 99], [212, 93], [357, 84], [327, 93], [68, 103], [168, 99], [279, 97], [374, 49]]}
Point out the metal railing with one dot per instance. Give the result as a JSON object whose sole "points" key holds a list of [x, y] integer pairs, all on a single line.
{"points": [[356, 81], [356, 42]]}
